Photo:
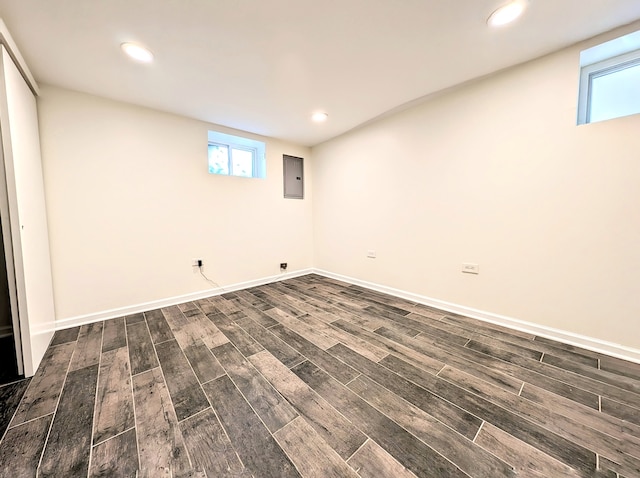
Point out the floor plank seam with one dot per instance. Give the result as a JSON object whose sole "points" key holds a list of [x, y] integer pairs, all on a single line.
{"points": [[592, 384], [359, 448], [162, 342], [153, 347], [197, 413], [226, 434], [438, 452], [190, 367], [478, 432], [209, 381], [491, 401], [8, 384], [112, 437], [62, 343], [133, 401], [95, 404], [26, 421], [254, 411], [55, 410], [520, 369], [352, 380], [250, 404], [335, 409], [543, 426]]}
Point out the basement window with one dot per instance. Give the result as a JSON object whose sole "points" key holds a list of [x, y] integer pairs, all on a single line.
{"points": [[231, 155], [610, 80]]}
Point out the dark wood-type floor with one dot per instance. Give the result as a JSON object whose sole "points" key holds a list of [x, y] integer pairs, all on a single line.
{"points": [[316, 378]]}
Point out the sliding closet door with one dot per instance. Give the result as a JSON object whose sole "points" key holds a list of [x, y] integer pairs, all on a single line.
{"points": [[29, 235]]}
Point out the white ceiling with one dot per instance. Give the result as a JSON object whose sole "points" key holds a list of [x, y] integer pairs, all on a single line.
{"points": [[265, 65]]}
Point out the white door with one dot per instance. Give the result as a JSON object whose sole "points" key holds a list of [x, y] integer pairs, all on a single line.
{"points": [[26, 236]]}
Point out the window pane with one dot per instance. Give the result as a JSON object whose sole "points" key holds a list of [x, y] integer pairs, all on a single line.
{"points": [[616, 94], [244, 156], [242, 162], [218, 159]]}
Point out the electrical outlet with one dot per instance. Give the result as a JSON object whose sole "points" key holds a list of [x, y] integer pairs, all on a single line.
{"points": [[470, 268], [371, 254], [283, 266]]}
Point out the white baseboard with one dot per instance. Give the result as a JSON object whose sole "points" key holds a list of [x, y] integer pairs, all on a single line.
{"points": [[157, 304], [6, 331], [595, 345]]}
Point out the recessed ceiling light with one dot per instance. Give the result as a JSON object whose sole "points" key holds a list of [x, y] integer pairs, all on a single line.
{"points": [[319, 117], [137, 52], [507, 13]]}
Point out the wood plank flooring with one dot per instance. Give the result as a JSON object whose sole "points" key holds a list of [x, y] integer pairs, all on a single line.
{"points": [[311, 377]]}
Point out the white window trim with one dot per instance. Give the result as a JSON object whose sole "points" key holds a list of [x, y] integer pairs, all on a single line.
{"points": [[596, 70]]}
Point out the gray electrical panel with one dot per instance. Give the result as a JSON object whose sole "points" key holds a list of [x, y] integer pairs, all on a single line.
{"points": [[293, 177]]}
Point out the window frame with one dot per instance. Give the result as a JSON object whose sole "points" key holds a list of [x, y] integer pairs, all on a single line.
{"points": [[597, 70], [255, 147], [230, 148]]}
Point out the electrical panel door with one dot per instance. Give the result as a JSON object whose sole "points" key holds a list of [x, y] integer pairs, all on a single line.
{"points": [[293, 177]]}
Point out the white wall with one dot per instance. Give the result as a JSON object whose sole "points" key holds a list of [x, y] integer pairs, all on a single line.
{"points": [[497, 173], [130, 203]]}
